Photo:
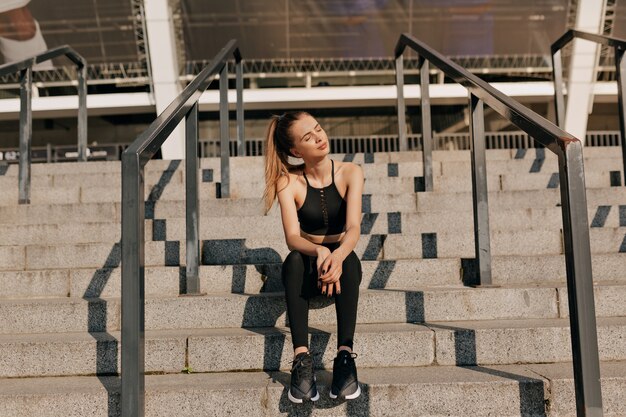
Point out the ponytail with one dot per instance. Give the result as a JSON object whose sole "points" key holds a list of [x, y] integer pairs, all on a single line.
{"points": [[277, 151]]}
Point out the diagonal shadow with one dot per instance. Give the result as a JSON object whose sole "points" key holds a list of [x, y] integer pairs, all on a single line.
{"points": [[97, 308], [531, 390]]}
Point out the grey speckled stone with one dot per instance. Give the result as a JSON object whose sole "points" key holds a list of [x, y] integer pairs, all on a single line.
{"points": [[58, 213], [546, 198], [23, 284], [451, 391], [551, 268], [59, 315], [461, 244], [375, 306], [12, 257], [85, 353], [106, 282], [377, 345], [42, 195], [562, 401], [610, 300], [520, 341], [44, 234]]}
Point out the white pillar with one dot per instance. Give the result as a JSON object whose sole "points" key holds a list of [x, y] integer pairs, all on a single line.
{"points": [[579, 101], [164, 67]]}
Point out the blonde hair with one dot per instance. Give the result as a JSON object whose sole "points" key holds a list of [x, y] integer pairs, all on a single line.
{"points": [[278, 142]]}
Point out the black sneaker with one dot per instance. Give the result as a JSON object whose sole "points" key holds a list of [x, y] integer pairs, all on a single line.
{"points": [[302, 379], [345, 383]]}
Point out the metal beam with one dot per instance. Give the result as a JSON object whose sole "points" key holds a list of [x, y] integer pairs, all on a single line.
{"points": [[224, 135], [427, 133], [404, 145], [480, 193]]}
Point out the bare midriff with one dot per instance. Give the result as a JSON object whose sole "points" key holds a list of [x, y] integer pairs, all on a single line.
{"points": [[317, 239]]}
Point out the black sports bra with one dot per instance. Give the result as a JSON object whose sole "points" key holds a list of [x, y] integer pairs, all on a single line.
{"points": [[323, 211]]}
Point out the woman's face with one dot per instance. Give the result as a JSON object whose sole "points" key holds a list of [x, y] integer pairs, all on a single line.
{"points": [[309, 139]]}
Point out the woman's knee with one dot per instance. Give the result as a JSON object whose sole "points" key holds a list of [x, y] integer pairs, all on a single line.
{"points": [[351, 269], [292, 265]]}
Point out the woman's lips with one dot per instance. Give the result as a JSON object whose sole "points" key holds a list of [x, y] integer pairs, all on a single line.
{"points": [[323, 146]]}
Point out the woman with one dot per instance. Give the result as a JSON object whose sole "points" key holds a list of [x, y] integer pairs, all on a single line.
{"points": [[320, 206]]}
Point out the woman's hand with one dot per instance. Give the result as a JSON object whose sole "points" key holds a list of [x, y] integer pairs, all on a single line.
{"points": [[329, 275]]}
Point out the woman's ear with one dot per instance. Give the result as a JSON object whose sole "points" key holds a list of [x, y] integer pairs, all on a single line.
{"points": [[295, 153]]}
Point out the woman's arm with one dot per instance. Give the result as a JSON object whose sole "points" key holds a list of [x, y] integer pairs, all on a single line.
{"points": [[291, 226], [353, 212]]}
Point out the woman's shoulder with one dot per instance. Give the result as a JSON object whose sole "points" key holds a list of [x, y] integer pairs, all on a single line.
{"points": [[291, 177], [348, 168]]}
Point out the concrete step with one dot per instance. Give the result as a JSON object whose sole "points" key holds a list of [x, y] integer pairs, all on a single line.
{"points": [[256, 250], [464, 343], [250, 279], [246, 188], [452, 303], [260, 278], [174, 173], [612, 200], [208, 350], [540, 198], [518, 155], [270, 227], [504, 390]]}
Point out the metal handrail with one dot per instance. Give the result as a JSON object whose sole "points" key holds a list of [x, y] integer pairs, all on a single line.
{"points": [[573, 202], [619, 46], [25, 68], [134, 159]]}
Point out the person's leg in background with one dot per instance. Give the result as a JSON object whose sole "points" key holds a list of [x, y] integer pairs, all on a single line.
{"points": [[20, 35]]}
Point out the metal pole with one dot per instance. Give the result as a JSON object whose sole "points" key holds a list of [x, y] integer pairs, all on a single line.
{"points": [[26, 133], [241, 138], [427, 134], [224, 134], [133, 293], [620, 69], [192, 204], [559, 100], [580, 297], [480, 192], [82, 113], [404, 146]]}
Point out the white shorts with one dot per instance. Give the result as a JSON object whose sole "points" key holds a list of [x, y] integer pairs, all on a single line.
{"points": [[6, 5]]}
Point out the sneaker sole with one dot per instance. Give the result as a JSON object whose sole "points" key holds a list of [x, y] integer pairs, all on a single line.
{"points": [[352, 396], [299, 400]]}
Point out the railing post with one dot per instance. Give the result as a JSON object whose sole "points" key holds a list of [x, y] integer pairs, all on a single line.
{"points": [[404, 146], [82, 113], [26, 133], [192, 204], [133, 293], [559, 100], [427, 134], [479, 192], [241, 138], [580, 294], [620, 70], [224, 134]]}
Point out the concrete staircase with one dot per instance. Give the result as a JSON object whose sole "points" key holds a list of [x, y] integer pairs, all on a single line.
{"points": [[427, 343]]}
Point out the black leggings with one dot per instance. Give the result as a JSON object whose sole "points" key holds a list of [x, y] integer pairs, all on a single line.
{"points": [[299, 275]]}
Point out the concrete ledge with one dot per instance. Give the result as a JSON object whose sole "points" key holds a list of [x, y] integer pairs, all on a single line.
{"points": [[610, 300], [527, 270], [268, 309], [506, 391], [520, 341], [464, 343]]}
